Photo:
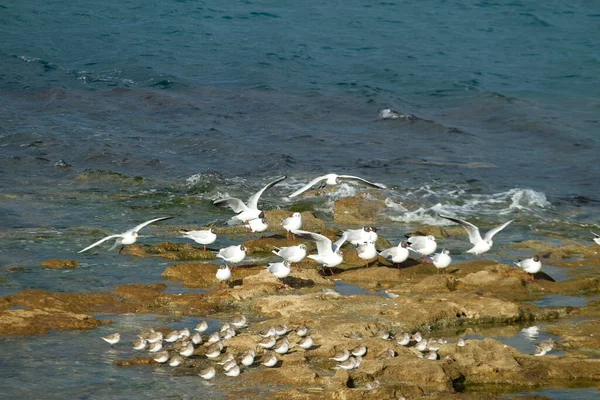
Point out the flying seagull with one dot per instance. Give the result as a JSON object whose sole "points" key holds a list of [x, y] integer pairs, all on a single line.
{"points": [[125, 238], [246, 212], [334, 179], [480, 245]]}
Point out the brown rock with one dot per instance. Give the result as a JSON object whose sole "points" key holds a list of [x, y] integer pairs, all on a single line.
{"points": [[356, 210]]}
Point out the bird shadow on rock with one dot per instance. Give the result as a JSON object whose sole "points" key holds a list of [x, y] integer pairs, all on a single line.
{"points": [[542, 276], [295, 282]]}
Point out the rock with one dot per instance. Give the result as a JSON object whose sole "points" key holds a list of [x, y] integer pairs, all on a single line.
{"points": [[39, 321], [357, 210], [170, 251], [203, 275], [57, 263]]}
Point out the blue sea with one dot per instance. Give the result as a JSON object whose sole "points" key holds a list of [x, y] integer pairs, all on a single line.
{"points": [[116, 112]]}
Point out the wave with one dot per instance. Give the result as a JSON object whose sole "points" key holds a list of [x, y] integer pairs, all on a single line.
{"points": [[460, 203]]}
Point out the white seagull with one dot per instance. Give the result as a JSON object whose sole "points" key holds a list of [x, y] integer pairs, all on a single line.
{"points": [[292, 254], [480, 245], [125, 238], [246, 212], [223, 274], [232, 254], [396, 254], [329, 254], [203, 237], [280, 270], [292, 223], [257, 225], [367, 251], [531, 265], [424, 245], [441, 260], [334, 179], [597, 238], [362, 235]]}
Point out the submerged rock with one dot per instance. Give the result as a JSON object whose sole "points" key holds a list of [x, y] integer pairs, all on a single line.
{"points": [[57, 263]]}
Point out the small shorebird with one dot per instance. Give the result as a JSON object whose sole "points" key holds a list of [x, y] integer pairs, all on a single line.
{"points": [[112, 339]]}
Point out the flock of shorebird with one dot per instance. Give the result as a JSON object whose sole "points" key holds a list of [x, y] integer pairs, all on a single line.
{"points": [[329, 253], [174, 347]]}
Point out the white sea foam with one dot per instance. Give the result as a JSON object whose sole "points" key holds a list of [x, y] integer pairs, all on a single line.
{"points": [[460, 203]]}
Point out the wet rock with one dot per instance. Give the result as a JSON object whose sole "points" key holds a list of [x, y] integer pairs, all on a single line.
{"points": [[357, 210], [98, 175], [170, 251], [439, 232], [39, 321], [57, 263], [203, 275], [565, 250]]}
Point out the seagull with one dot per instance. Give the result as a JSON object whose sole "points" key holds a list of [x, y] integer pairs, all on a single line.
{"points": [[531, 265], [292, 223], [292, 253], [329, 255], [280, 270], [367, 251], [208, 373], [223, 274], [424, 245], [232, 254], [203, 237], [441, 260], [306, 342], [247, 358], [597, 238], [257, 224], [480, 245], [270, 360], [125, 238], [358, 236], [246, 212], [334, 179], [396, 254]]}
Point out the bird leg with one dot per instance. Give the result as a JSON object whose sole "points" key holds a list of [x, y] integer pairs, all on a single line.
{"points": [[120, 251]]}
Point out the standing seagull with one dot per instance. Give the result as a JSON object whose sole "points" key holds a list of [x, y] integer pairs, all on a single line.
{"points": [[424, 245], [203, 237], [223, 274], [292, 223], [125, 238], [597, 238], [480, 245], [441, 260], [329, 254], [232, 254], [334, 179], [246, 212], [367, 251], [362, 235], [396, 254], [280, 270], [531, 265]]}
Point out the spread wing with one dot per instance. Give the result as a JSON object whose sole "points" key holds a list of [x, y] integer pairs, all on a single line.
{"points": [[140, 226], [235, 204], [324, 245], [339, 242], [100, 242], [472, 230], [253, 200], [595, 234], [308, 186], [490, 234], [366, 182]]}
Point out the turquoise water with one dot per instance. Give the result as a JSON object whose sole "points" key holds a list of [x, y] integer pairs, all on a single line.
{"points": [[113, 113]]}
